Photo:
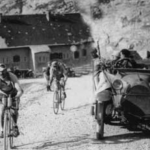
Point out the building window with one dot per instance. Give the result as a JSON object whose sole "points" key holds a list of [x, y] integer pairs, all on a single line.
{"points": [[7, 60], [25, 59], [56, 56], [64, 56], [76, 54], [44, 59], [40, 59], [16, 58], [84, 52]]}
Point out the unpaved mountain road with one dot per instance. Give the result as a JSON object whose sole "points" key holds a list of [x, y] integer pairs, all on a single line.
{"points": [[71, 129]]}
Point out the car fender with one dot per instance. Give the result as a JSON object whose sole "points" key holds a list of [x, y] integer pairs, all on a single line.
{"points": [[105, 95]]}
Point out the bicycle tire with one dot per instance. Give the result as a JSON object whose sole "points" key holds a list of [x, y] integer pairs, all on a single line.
{"points": [[62, 101], [56, 102], [10, 129], [6, 131]]}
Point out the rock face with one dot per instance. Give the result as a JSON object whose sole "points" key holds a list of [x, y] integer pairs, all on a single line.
{"points": [[115, 24], [122, 24]]}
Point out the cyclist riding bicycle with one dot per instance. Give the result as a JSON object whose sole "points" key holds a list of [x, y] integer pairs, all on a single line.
{"points": [[9, 84], [57, 73]]}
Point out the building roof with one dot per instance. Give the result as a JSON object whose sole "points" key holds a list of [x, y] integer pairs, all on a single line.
{"points": [[24, 30]]}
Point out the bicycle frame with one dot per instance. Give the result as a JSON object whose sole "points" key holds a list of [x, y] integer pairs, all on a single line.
{"points": [[8, 121], [57, 98]]}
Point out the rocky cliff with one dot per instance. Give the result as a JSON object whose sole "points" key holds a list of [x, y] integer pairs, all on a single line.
{"points": [[115, 24]]}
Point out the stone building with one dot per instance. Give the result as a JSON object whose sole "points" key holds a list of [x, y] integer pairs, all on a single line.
{"points": [[30, 41]]}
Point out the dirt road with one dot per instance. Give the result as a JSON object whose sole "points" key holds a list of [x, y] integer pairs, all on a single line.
{"points": [[71, 129]]}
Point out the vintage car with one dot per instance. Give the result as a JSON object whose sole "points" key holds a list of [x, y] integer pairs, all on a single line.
{"points": [[123, 96]]}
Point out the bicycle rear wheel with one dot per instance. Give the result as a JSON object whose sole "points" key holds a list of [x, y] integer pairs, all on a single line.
{"points": [[62, 100], [10, 129], [6, 131], [56, 102]]}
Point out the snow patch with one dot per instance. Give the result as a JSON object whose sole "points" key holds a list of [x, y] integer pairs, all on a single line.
{"points": [[2, 43]]}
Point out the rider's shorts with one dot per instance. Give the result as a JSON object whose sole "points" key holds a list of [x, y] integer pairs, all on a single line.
{"points": [[57, 84]]}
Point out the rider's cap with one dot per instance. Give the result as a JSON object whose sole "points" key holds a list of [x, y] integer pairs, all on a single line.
{"points": [[2, 67]]}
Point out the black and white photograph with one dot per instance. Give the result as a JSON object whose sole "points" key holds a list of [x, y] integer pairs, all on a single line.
{"points": [[74, 75]]}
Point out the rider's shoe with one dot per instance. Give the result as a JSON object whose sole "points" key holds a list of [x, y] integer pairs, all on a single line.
{"points": [[1, 134], [48, 88], [64, 95], [15, 131]]}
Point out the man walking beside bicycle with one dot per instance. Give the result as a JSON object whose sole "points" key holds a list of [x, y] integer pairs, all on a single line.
{"points": [[9, 85], [58, 76]]}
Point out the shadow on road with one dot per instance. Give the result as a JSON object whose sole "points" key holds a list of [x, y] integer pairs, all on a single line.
{"points": [[28, 145], [75, 141], [84, 140], [79, 107], [121, 138]]}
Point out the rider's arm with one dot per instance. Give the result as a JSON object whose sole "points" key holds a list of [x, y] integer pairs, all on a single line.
{"points": [[65, 74], [51, 75], [17, 85]]}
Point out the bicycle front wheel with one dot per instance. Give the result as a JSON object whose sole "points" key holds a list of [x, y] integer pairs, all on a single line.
{"points": [[6, 131], [56, 102], [62, 100], [10, 128]]}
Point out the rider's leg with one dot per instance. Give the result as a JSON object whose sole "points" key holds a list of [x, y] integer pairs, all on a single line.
{"points": [[62, 84], [64, 93], [47, 83], [1, 119], [56, 88], [15, 115]]}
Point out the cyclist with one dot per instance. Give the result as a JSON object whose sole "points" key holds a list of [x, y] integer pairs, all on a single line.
{"points": [[47, 75], [9, 84], [58, 72]]}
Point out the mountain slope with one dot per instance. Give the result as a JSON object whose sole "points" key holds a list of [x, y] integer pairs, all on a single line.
{"points": [[114, 24]]}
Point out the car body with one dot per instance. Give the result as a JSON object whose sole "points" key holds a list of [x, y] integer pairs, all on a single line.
{"points": [[124, 95]]}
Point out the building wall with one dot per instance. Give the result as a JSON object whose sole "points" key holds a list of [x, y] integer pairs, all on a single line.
{"points": [[7, 56], [69, 57], [18, 57], [41, 60]]}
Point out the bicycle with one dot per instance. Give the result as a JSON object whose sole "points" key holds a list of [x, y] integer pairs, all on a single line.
{"points": [[58, 97], [8, 122]]}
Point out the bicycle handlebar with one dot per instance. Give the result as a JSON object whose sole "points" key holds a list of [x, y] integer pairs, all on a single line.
{"points": [[8, 101]]}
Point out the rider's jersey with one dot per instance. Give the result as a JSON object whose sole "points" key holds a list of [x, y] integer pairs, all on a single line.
{"points": [[8, 85], [57, 71]]}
